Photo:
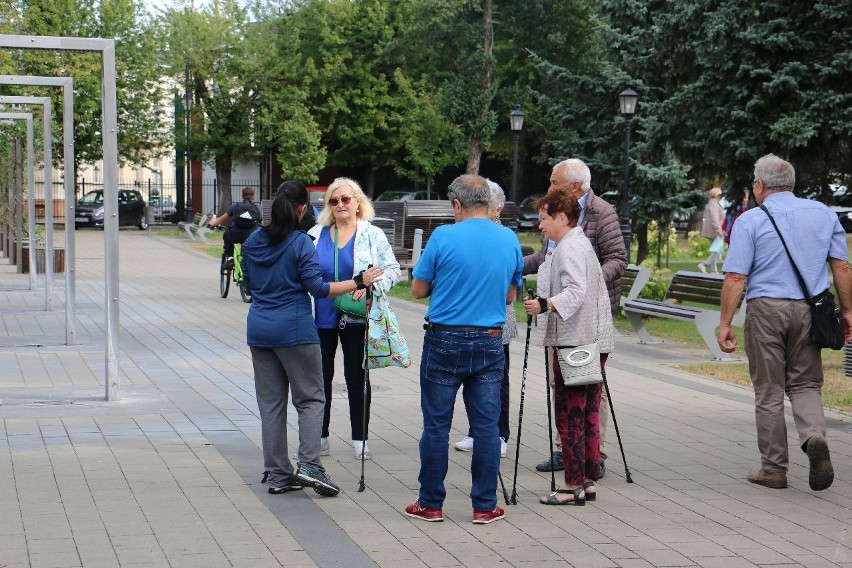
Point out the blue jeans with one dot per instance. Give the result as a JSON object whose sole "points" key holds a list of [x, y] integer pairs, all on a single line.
{"points": [[473, 360]]}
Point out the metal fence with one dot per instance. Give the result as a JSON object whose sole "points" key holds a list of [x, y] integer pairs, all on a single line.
{"points": [[162, 198]]}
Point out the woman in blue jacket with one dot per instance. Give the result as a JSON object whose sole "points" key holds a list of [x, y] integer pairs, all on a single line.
{"points": [[280, 270]]}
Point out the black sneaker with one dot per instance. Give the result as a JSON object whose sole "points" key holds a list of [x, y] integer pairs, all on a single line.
{"points": [[316, 477], [290, 484], [552, 464], [229, 262]]}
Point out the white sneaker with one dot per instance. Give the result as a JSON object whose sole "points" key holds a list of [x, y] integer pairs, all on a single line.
{"points": [[324, 449], [464, 445], [362, 447], [702, 267], [503, 446]]}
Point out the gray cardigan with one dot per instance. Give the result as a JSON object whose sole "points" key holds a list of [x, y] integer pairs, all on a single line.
{"points": [[571, 277]]}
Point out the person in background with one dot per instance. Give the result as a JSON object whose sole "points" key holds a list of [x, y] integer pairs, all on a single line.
{"points": [[510, 331], [344, 225], [600, 224], [733, 215], [572, 299], [463, 347], [781, 357], [280, 270], [711, 228], [243, 218]]}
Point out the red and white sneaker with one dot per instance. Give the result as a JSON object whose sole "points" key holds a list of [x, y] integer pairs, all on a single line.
{"points": [[416, 511], [485, 517]]}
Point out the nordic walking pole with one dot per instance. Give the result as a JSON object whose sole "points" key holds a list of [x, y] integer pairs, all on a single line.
{"points": [[550, 418], [617, 434], [369, 293], [503, 485], [514, 500]]}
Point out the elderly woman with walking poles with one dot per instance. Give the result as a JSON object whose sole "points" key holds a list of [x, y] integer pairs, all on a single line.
{"points": [[573, 308]]}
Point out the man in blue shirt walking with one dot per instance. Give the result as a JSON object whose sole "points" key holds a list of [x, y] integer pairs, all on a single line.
{"points": [[471, 270], [781, 357]]}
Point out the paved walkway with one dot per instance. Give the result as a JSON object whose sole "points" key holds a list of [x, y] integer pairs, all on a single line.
{"points": [[170, 474]]}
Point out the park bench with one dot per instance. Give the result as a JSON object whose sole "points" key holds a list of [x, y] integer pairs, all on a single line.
{"points": [[632, 281], [693, 287], [198, 227]]}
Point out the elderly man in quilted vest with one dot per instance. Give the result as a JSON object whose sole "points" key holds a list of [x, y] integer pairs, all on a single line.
{"points": [[600, 224]]}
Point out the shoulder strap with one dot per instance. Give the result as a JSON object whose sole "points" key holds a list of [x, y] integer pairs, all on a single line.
{"points": [[795, 268], [336, 277]]}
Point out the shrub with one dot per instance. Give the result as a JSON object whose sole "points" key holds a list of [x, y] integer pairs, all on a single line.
{"points": [[654, 238], [657, 285], [699, 247]]}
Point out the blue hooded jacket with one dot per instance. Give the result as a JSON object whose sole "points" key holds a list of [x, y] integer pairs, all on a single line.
{"points": [[279, 279]]}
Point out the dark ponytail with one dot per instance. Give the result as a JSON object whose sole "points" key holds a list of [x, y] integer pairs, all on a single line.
{"points": [[282, 220]]}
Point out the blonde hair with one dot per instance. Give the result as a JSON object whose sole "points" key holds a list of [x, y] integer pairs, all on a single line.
{"points": [[715, 192], [365, 209]]}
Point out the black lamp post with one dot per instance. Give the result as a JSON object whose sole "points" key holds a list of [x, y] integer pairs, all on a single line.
{"points": [[627, 100], [186, 103], [516, 121]]}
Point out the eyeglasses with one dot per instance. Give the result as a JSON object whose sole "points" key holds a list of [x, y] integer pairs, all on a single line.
{"points": [[345, 200]]}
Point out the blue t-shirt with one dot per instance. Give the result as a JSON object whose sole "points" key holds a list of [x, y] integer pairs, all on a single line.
{"points": [[470, 266], [812, 233], [324, 313]]}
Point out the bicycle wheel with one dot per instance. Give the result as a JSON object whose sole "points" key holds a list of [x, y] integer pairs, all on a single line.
{"points": [[244, 293], [224, 279]]}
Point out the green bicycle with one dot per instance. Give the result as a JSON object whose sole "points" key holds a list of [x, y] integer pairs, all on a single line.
{"points": [[235, 273]]}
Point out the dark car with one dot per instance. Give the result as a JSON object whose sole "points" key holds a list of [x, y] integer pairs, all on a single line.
{"points": [[89, 210], [528, 221], [163, 207]]}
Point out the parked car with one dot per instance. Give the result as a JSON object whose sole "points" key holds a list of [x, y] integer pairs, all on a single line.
{"points": [[528, 220], [163, 207], [394, 195], [89, 210], [842, 207]]}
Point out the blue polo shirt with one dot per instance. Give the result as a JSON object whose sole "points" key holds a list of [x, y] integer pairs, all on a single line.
{"points": [[470, 266], [812, 233]]}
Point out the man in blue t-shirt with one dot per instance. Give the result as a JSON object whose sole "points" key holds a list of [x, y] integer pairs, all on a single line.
{"points": [[781, 356], [244, 218], [470, 286]]}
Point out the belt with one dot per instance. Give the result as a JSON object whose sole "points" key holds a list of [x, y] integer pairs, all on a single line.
{"points": [[461, 328]]}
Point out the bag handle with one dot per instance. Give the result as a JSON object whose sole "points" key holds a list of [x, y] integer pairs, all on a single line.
{"points": [[795, 268], [336, 277]]}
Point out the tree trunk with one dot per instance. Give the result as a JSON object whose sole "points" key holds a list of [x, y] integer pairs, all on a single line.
{"points": [[641, 235], [224, 165], [475, 153], [371, 183]]}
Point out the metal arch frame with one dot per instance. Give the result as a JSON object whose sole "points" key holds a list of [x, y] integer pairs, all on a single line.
{"points": [[109, 130], [28, 117], [67, 85], [49, 269]]}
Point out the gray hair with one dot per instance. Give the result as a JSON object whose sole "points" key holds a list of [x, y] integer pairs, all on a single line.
{"points": [[775, 173], [471, 190], [577, 170], [498, 198]]}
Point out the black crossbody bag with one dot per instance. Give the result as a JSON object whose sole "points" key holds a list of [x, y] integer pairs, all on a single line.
{"points": [[826, 323]]}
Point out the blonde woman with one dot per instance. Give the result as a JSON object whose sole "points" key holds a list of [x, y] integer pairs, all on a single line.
{"points": [[344, 224]]}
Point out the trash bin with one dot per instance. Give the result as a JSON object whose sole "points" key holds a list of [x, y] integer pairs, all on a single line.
{"points": [[149, 215]]}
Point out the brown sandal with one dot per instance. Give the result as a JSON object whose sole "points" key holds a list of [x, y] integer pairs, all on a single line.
{"points": [[577, 499]]}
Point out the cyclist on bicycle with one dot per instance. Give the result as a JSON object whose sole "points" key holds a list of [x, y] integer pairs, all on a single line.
{"points": [[244, 218]]}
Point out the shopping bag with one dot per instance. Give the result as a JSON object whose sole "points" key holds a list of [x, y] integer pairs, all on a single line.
{"points": [[386, 346], [716, 245]]}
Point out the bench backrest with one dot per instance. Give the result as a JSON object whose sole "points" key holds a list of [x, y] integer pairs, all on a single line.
{"points": [[198, 218], [632, 281], [698, 287]]}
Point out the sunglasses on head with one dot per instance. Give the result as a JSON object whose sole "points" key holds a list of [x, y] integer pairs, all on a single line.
{"points": [[345, 200]]}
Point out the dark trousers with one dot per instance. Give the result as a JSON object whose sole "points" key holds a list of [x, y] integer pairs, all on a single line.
{"points": [[577, 421], [503, 421], [230, 237], [351, 340]]}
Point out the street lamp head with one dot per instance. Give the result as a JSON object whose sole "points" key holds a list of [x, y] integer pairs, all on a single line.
{"points": [[186, 101], [627, 99], [516, 120]]}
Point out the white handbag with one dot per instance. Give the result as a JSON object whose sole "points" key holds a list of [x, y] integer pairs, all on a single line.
{"points": [[580, 365]]}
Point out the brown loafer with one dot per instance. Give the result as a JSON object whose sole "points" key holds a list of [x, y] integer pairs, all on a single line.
{"points": [[822, 473], [772, 479]]}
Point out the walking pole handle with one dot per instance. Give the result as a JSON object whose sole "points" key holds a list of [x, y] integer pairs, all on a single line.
{"points": [[530, 297]]}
